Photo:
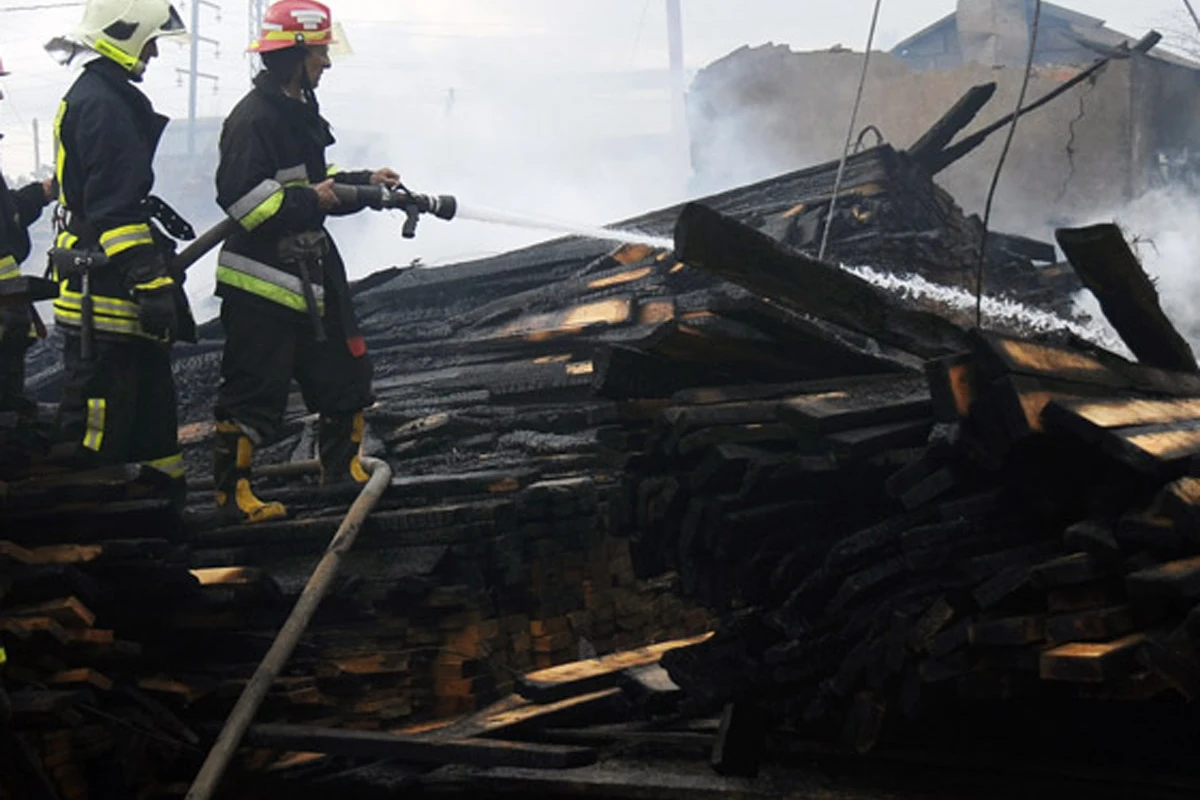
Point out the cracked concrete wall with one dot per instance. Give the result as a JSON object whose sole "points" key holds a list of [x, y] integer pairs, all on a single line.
{"points": [[765, 110]]}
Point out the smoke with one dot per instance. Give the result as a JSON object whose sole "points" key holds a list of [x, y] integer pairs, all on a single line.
{"points": [[1162, 229]]}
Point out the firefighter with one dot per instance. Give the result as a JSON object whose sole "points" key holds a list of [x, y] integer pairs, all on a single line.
{"points": [[119, 399], [286, 306], [18, 210]]}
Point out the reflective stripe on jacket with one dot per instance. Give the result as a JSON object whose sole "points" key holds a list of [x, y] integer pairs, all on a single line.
{"points": [[272, 150], [107, 134]]}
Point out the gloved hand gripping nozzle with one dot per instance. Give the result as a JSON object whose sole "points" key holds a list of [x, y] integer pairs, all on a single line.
{"points": [[442, 206]]}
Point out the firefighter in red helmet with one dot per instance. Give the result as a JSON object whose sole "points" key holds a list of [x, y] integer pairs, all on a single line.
{"points": [[18, 210], [286, 306]]}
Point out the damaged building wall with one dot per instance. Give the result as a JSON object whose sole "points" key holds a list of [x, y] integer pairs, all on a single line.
{"points": [[994, 33], [1165, 127], [765, 110]]}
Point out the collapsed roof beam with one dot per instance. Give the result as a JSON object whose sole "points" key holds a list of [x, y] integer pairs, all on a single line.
{"points": [[943, 159]]}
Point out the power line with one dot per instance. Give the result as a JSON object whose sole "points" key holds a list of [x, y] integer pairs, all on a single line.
{"points": [[38, 7], [1192, 11], [1012, 132], [841, 173]]}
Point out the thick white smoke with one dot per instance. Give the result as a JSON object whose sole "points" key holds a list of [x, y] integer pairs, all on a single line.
{"points": [[1163, 226]]}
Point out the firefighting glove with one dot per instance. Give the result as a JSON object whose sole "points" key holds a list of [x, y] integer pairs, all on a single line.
{"points": [[156, 308]]}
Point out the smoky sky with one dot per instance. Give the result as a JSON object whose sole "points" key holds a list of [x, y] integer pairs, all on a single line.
{"points": [[551, 107]]}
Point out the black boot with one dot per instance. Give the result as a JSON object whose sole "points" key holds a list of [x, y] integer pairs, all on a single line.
{"points": [[339, 440], [233, 454]]}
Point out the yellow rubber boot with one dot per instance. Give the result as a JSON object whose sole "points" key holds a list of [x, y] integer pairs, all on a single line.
{"points": [[339, 440], [233, 454]]}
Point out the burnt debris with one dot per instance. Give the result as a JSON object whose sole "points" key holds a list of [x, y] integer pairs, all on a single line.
{"points": [[888, 518]]}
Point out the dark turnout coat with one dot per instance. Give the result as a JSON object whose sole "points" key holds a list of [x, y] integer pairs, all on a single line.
{"points": [[272, 150], [108, 133]]}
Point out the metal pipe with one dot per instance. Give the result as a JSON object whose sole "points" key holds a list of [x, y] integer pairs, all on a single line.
{"points": [[289, 635], [193, 69]]}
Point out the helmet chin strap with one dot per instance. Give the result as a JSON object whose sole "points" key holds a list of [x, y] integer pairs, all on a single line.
{"points": [[308, 92]]}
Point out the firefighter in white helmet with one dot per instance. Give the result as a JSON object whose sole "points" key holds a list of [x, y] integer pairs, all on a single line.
{"points": [[18, 210], [119, 400]]}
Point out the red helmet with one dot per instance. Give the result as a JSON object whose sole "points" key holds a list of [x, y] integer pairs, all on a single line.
{"points": [[292, 23]]}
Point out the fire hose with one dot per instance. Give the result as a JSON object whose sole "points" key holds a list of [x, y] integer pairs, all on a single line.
{"points": [[375, 197], [273, 662], [81, 262]]}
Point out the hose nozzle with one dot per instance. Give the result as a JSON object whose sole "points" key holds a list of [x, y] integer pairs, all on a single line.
{"points": [[442, 206]]}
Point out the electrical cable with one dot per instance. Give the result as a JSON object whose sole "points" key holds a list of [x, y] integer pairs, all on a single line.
{"points": [[1192, 11], [1012, 132], [841, 173], [637, 39], [38, 7]]}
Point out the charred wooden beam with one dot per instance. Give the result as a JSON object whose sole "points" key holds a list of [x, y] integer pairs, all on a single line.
{"points": [[965, 147], [942, 132], [372, 744], [1106, 265], [711, 241]]}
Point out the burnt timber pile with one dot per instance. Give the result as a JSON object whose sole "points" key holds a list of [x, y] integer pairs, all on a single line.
{"points": [[1010, 531], [599, 449]]}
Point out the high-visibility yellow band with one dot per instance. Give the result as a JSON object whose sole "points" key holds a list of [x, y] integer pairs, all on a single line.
{"points": [[9, 268], [109, 314], [118, 240], [93, 437], [66, 239], [331, 170], [3, 656], [113, 306], [264, 289], [264, 211], [172, 466], [60, 159], [101, 323], [309, 37], [109, 50], [258, 205], [157, 283]]}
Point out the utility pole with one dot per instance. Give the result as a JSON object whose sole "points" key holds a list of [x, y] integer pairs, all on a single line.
{"points": [[679, 138], [256, 10], [193, 71]]}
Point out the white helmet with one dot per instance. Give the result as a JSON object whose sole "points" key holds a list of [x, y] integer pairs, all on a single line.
{"points": [[121, 29]]}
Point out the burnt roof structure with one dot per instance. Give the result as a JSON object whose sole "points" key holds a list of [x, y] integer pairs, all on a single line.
{"points": [[1067, 38]]}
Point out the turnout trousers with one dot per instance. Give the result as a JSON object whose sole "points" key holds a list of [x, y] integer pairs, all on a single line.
{"points": [[265, 352], [119, 407], [14, 341]]}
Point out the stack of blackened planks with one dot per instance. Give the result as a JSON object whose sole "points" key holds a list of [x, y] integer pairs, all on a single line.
{"points": [[1016, 522], [85, 595]]}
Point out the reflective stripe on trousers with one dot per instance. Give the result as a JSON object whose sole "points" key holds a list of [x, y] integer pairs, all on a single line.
{"points": [[97, 410], [171, 466]]}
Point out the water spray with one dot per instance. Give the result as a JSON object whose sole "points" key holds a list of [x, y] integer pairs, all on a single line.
{"points": [[482, 214]]}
